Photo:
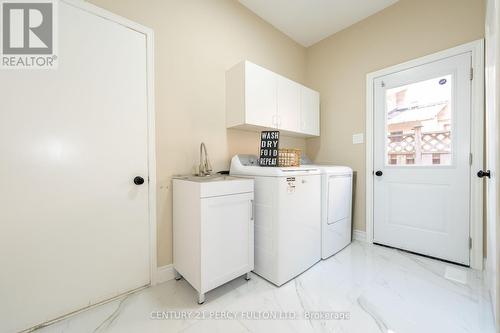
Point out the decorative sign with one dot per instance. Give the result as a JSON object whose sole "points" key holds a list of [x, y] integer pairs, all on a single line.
{"points": [[269, 144]]}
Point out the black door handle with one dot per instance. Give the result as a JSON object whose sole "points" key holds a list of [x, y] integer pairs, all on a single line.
{"points": [[482, 174], [378, 173], [138, 180]]}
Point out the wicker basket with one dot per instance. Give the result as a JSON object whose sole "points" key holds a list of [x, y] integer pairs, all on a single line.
{"points": [[288, 157]]}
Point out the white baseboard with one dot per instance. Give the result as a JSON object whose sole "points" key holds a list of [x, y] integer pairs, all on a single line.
{"points": [[359, 235], [164, 273]]}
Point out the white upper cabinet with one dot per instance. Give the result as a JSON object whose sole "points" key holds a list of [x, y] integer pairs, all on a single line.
{"points": [[257, 99], [309, 111], [260, 96], [288, 107]]}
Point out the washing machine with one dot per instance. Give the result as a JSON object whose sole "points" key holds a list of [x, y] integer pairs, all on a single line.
{"points": [[287, 222], [336, 207]]}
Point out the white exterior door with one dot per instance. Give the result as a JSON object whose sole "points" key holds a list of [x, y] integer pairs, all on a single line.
{"points": [[74, 227], [422, 142]]}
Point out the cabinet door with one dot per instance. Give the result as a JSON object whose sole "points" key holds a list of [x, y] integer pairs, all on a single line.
{"points": [[309, 111], [260, 96], [288, 105], [227, 238]]}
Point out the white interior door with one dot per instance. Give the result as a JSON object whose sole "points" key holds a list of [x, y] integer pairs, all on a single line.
{"points": [[74, 227], [492, 78], [422, 159]]}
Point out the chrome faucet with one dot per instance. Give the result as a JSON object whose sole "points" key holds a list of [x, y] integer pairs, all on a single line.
{"points": [[204, 169]]}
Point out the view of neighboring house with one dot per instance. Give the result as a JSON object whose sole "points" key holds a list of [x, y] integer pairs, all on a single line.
{"points": [[419, 123]]}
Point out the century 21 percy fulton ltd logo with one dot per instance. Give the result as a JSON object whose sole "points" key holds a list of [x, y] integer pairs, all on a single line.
{"points": [[28, 34]]}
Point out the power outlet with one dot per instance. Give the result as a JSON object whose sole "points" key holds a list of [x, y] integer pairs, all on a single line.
{"points": [[358, 138]]}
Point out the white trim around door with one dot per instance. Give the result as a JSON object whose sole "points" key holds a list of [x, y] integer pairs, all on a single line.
{"points": [[149, 34], [476, 48]]}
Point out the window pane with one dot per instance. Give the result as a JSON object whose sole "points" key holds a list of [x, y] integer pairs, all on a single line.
{"points": [[419, 123]]}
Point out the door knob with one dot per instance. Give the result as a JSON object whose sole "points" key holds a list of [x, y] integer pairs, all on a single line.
{"points": [[138, 180], [378, 173], [482, 174]]}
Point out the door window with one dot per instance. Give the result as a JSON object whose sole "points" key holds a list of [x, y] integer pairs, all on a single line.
{"points": [[419, 123]]}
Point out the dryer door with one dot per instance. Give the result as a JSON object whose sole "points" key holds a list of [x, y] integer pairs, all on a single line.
{"points": [[336, 224], [339, 198]]}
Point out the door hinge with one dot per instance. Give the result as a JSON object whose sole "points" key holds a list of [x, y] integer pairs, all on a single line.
{"points": [[470, 242], [470, 159], [471, 73]]}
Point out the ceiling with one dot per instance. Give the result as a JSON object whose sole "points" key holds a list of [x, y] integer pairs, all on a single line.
{"points": [[309, 21]]}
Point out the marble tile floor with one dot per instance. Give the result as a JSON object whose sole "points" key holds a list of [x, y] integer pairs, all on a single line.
{"points": [[364, 288]]}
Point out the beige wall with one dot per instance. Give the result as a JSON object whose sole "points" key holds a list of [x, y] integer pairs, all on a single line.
{"points": [[337, 68], [196, 41]]}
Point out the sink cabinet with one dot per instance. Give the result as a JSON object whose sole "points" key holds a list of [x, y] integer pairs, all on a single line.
{"points": [[213, 230]]}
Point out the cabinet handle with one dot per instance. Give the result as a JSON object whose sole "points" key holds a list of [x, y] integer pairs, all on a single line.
{"points": [[251, 210]]}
